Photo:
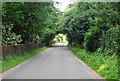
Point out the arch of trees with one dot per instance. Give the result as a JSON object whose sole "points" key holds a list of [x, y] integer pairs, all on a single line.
{"points": [[89, 25], [92, 26]]}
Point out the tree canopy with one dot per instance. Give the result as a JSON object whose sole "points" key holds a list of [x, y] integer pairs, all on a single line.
{"points": [[23, 21], [94, 26]]}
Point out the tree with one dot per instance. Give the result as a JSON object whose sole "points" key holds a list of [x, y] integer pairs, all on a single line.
{"points": [[88, 23], [29, 19]]}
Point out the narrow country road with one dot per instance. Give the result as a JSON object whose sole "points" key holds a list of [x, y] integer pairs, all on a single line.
{"points": [[56, 62]]}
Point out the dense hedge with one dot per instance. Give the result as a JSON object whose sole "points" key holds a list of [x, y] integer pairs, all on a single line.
{"points": [[93, 26]]}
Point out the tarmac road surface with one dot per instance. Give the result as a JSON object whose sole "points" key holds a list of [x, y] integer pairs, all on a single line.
{"points": [[56, 62]]}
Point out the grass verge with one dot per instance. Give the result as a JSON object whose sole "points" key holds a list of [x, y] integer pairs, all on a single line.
{"points": [[105, 65], [11, 61]]}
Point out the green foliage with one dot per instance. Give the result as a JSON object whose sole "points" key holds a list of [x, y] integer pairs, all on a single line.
{"points": [[111, 40], [30, 19], [91, 40], [11, 61], [10, 37], [105, 65], [93, 25]]}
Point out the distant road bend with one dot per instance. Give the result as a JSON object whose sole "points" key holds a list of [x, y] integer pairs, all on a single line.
{"points": [[56, 62]]}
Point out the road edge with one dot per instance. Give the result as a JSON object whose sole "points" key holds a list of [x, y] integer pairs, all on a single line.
{"points": [[10, 70], [89, 68], [98, 76]]}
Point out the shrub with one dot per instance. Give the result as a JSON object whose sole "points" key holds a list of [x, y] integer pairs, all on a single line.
{"points": [[91, 40]]}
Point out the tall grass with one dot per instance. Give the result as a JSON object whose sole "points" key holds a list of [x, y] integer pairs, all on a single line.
{"points": [[105, 65], [11, 61]]}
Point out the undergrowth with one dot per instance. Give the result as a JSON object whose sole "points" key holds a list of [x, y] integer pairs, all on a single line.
{"points": [[105, 65]]}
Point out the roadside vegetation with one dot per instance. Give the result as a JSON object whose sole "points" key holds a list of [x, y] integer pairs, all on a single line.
{"points": [[91, 28], [93, 32], [29, 22], [105, 65], [9, 62], [61, 38]]}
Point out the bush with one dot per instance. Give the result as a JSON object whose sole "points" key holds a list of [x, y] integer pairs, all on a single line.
{"points": [[91, 40], [10, 37], [111, 40]]}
